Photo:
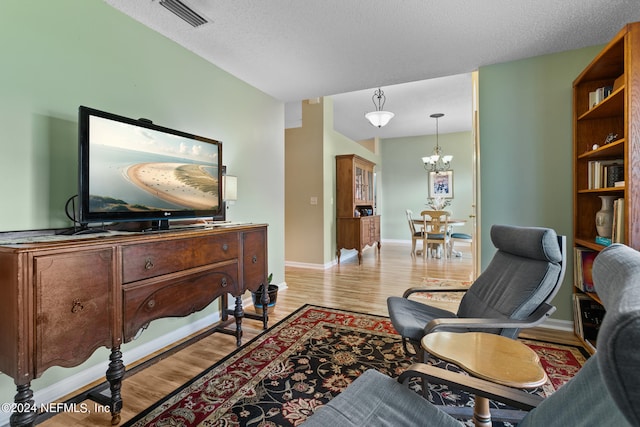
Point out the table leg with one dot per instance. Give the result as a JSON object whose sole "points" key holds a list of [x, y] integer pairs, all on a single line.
{"points": [[481, 414]]}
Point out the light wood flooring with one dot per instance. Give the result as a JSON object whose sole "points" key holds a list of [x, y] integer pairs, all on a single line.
{"points": [[349, 286]]}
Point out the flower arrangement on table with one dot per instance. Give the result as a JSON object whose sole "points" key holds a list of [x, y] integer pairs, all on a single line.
{"points": [[438, 203]]}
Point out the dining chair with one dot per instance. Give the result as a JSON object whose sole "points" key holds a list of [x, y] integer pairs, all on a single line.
{"points": [[436, 223], [458, 237], [415, 234]]}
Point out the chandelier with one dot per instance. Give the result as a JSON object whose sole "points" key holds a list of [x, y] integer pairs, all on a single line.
{"points": [[437, 162], [379, 117]]}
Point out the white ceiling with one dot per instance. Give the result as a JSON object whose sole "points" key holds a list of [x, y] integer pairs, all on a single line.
{"points": [[301, 49]]}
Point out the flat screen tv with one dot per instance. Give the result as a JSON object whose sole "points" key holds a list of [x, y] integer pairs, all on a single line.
{"points": [[134, 170]]}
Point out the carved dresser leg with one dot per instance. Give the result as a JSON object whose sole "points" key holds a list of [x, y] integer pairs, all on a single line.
{"points": [[115, 373], [25, 411], [265, 300], [238, 313]]}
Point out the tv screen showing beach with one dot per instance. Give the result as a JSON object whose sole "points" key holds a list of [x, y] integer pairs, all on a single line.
{"points": [[136, 169]]}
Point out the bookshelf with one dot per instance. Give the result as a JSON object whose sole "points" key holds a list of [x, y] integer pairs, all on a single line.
{"points": [[606, 162]]}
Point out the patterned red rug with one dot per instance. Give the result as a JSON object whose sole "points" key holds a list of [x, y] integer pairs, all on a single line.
{"points": [[281, 376]]}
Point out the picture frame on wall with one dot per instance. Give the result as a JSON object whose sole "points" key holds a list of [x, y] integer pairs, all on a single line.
{"points": [[441, 184]]}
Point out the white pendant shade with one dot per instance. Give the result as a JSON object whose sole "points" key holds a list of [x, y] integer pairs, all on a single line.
{"points": [[379, 118]]}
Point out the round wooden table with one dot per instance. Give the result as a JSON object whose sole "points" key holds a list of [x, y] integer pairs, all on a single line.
{"points": [[491, 357]]}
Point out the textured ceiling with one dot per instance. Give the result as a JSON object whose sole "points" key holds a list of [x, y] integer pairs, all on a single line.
{"points": [[300, 49]]}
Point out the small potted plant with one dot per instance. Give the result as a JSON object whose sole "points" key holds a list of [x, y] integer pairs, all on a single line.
{"points": [[273, 296]]}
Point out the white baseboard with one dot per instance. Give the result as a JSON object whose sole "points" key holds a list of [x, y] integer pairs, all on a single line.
{"points": [[559, 325], [310, 265], [348, 254]]}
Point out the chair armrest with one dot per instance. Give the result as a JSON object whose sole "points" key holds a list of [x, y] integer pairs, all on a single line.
{"points": [[418, 289], [510, 396], [536, 318]]}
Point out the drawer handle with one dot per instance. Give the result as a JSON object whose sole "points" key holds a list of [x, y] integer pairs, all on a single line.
{"points": [[148, 265], [254, 259], [77, 306], [224, 282], [151, 303], [225, 247]]}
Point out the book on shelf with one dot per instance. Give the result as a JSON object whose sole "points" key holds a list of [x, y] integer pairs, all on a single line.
{"points": [[598, 95], [577, 323], [604, 241], [617, 232], [588, 314], [583, 265], [604, 173], [614, 173]]}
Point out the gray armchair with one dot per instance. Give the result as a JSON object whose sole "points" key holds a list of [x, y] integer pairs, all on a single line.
{"points": [[605, 391], [513, 292]]}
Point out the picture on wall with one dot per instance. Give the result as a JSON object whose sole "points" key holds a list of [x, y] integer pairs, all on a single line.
{"points": [[441, 184]]}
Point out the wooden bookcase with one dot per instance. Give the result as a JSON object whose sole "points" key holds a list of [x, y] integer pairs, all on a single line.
{"points": [[616, 111], [356, 223]]}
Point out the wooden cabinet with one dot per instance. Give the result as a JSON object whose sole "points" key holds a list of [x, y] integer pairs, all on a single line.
{"points": [[606, 112], [65, 297], [357, 225], [74, 307]]}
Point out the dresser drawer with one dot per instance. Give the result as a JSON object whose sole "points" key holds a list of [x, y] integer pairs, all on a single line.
{"points": [[147, 260], [176, 297]]}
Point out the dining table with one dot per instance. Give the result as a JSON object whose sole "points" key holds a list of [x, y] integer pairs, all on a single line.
{"points": [[451, 222]]}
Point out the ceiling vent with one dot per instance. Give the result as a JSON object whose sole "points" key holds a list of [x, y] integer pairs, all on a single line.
{"points": [[183, 12]]}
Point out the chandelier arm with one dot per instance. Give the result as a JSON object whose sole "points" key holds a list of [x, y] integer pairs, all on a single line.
{"points": [[436, 162]]}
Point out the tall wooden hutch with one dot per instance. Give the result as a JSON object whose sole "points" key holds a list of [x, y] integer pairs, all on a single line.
{"points": [[357, 224], [606, 131]]}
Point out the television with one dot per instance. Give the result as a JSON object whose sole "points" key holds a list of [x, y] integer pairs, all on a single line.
{"points": [[131, 170]]}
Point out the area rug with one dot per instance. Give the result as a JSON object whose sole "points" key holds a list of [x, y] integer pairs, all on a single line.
{"points": [[280, 377], [440, 297]]}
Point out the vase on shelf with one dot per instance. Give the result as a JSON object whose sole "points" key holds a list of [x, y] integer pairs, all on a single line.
{"points": [[604, 217]]}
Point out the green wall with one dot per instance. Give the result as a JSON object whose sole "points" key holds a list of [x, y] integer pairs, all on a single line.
{"points": [[405, 183], [57, 55], [525, 110]]}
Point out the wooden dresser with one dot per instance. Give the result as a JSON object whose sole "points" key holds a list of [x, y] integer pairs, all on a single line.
{"points": [[62, 298]]}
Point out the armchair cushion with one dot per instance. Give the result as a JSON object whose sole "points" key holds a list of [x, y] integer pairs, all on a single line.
{"points": [[528, 242], [583, 401], [410, 317], [375, 399], [615, 274], [528, 263]]}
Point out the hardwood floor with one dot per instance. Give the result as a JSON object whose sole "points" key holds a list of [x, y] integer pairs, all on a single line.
{"points": [[348, 286]]}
